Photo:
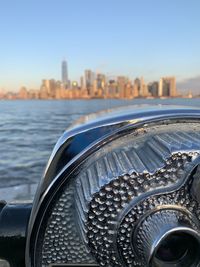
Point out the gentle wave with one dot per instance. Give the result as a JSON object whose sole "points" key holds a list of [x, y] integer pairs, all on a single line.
{"points": [[30, 129]]}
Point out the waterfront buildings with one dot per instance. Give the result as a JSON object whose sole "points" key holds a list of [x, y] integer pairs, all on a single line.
{"points": [[98, 85]]}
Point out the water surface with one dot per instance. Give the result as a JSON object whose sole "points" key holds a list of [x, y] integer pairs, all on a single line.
{"points": [[30, 129]]}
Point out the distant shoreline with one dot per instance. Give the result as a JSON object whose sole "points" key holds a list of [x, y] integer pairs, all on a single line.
{"points": [[92, 99]]}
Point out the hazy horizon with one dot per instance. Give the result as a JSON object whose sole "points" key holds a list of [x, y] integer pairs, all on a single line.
{"points": [[132, 38]]}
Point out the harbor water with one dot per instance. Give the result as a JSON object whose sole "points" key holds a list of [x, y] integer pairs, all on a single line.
{"points": [[29, 130]]}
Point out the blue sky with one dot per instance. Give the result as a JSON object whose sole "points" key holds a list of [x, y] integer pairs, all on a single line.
{"points": [[150, 38]]}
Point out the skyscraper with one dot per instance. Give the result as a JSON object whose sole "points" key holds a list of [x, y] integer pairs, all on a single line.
{"points": [[82, 83], [121, 82], [143, 88], [153, 89], [136, 87], [64, 73], [89, 79], [160, 88], [167, 87]]}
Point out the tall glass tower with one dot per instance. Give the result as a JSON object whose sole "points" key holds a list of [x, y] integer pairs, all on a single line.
{"points": [[64, 73]]}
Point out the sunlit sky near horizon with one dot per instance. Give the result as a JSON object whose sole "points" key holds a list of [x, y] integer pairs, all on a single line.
{"points": [[150, 38]]}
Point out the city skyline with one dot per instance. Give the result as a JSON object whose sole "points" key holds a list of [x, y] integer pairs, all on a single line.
{"points": [[91, 79], [98, 85], [183, 86], [133, 38]]}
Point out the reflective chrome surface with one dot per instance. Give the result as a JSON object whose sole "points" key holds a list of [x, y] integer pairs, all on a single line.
{"points": [[79, 143]]}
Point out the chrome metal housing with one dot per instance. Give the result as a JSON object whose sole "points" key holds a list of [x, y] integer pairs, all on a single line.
{"points": [[109, 218]]}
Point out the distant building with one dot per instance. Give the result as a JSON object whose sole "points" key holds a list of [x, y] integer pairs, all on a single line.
{"points": [[23, 93], [89, 81], [143, 88], [173, 91], [136, 88], [121, 83], [167, 87], [99, 85], [48, 88], [153, 89], [44, 89], [160, 88], [2, 93], [33, 94], [64, 70], [82, 83], [52, 88], [128, 90], [101, 80], [111, 91]]}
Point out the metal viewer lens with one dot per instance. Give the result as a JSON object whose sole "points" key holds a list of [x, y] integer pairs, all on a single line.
{"points": [[168, 238], [174, 247], [177, 249]]}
